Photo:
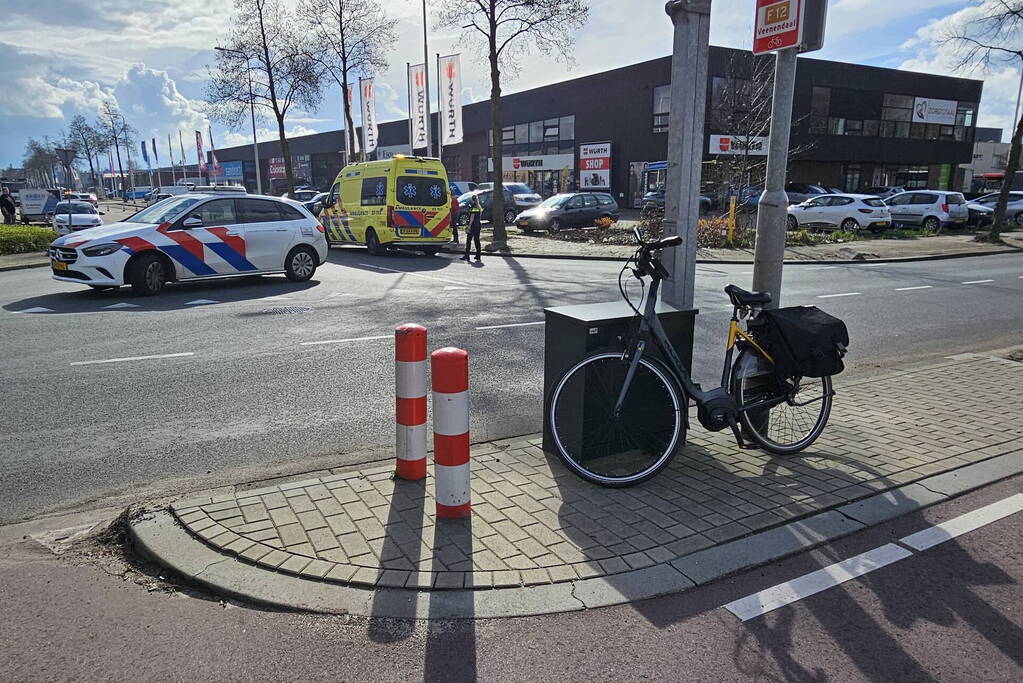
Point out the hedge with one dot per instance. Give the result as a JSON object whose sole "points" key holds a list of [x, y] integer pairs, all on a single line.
{"points": [[24, 239]]}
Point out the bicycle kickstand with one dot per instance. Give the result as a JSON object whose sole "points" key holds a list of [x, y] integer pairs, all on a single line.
{"points": [[738, 434]]}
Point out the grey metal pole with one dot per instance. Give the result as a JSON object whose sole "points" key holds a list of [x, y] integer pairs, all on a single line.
{"points": [[685, 144], [772, 213], [1019, 94], [255, 140], [426, 81]]}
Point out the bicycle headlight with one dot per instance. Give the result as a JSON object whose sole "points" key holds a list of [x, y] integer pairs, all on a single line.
{"points": [[101, 249]]}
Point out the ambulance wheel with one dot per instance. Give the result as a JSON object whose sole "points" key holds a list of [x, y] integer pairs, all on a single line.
{"points": [[148, 275], [300, 264], [373, 245]]}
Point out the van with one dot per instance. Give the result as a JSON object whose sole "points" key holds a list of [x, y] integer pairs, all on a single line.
{"points": [[402, 202]]}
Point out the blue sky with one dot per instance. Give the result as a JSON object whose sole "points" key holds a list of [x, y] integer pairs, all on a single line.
{"points": [[62, 57]]}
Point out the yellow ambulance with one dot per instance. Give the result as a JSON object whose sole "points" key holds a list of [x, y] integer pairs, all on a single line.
{"points": [[401, 202]]}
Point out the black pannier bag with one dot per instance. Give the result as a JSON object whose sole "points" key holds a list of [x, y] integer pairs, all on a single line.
{"points": [[803, 341]]}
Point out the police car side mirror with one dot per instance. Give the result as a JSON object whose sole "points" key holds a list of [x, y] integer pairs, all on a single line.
{"points": [[191, 222]]}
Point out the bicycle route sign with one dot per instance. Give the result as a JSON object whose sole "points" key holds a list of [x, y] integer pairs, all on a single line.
{"points": [[778, 25]]}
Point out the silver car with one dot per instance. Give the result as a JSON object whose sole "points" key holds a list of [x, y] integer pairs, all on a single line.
{"points": [[932, 209], [1013, 209]]}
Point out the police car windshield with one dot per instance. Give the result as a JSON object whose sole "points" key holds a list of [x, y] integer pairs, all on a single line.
{"points": [[164, 211], [556, 201], [75, 207]]}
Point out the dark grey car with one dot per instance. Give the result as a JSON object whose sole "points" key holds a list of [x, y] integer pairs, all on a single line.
{"points": [[568, 210]]}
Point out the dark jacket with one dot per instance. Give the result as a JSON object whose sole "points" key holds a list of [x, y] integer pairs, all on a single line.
{"points": [[7, 203]]}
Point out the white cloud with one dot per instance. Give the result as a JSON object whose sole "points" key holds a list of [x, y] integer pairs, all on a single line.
{"points": [[234, 139]]}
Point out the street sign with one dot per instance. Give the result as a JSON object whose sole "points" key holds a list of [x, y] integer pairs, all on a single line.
{"points": [[778, 25]]}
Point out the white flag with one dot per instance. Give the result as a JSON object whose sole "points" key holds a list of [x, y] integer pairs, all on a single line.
{"points": [[351, 105], [417, 96], [450, 100], [369, 116]]}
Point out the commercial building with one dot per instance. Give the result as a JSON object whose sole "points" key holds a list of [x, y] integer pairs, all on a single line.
{"points": [[853, 126], [990, 155]]}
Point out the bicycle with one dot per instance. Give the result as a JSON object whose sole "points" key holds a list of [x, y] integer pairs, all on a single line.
{"points": [[619, 415]]}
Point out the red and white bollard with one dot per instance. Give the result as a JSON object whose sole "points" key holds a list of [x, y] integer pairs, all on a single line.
{"points": [[411, 385], [449, 369]]}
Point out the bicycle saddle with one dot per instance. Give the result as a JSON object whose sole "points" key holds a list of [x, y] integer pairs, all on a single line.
{"points": [[740, 297]]}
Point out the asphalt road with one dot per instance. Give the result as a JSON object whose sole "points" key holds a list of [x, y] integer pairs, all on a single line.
{"points": [[953, 612], [283, 378]]}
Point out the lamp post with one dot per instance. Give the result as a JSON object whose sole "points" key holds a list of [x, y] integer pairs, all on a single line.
{"points": [[252, 112]]}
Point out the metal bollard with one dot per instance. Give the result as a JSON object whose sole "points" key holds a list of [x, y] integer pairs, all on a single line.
{"points": [[411, 385], [449, 368]]}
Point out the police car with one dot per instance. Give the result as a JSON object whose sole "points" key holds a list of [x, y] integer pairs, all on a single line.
{"points": [[196, 236]]}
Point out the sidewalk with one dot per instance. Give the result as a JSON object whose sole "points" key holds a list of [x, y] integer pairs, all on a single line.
{"points": [[19, 261], [715, 510]]}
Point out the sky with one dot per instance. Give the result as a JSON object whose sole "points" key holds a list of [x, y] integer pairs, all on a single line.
{"points": [[59, 58]]}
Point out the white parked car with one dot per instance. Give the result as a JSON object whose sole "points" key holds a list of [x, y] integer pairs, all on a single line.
{"points": [[800, 192], [1013, 209], [82, 215], [194, 237], [850, 212], [932, 209], [883, 191]]}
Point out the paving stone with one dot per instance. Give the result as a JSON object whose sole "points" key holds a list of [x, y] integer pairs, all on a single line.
{"points": [[274, 558], [322, 539], [506, 579], [262, 535], [449, 581], [533, 577], [294, 564], [292, 534], [254, 513], [317, 569], [274, 500], [255, 551], [283, 516]]}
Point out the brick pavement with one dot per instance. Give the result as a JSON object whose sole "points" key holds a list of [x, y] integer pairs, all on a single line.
{"points": [[535, 523]]}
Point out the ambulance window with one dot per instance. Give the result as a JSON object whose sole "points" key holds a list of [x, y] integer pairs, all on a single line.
{"points": [[335, 192], [421, 191], [374, 191]]}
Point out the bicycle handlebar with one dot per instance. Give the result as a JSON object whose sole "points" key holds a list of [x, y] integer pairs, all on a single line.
{"points": [[663, 243]]}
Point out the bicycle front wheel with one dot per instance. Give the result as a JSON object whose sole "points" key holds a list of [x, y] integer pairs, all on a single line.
{"points": [[794, 411], [609, 447]]}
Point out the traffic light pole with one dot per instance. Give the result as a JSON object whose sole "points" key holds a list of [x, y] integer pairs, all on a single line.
{"points": [[772, 212]]}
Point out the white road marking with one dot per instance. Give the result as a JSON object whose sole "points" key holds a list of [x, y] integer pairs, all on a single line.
{"points": [[820, 267], [131, 358], [405, 272], [910, 289], [975, 282], [765, 601], [746, 272], [344, 341], [832, 296], [497, 327], [449, 288], [36, 309], [201, 302], [957, 526], [276, 298], [871, 265], [123, 304]]}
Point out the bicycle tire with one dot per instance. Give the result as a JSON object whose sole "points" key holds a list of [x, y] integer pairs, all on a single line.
{"points": [[782, 418], [616, 450]]}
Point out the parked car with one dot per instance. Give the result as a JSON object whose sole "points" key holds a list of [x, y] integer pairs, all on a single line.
{"points": [[979, 215], [850, 212], [301, 195], [1013, 208], [932, 209], [86, 197], [568, 210], [460, 187], [82, 215], [517, 198], [883, 191], [224, 235], [315, 205], [655, 200], [800, 192]]}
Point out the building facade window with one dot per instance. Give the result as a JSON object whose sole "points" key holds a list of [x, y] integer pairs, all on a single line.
{"points": [[820, 101], [662, 108], [536, 138]]}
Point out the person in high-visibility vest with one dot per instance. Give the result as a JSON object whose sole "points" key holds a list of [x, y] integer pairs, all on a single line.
{"points": [[472, 233]]}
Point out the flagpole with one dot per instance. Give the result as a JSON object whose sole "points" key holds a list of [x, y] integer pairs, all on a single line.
{"points": [[170, 149], [440, 111], [184, 162], [408, 90], [426, 81], [213, 149], [362, 115]]}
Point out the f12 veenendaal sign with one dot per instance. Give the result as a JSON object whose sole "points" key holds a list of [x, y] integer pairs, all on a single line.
{"points": [[778, 25]]}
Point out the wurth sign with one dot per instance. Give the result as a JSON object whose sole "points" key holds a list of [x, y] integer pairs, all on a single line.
{"points": [[778, 25]]}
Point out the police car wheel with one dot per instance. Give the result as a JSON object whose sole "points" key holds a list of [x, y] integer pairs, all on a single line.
{"points": [[300, 265], [148, 275], [555, 225], [373, 245], [509, 216]]}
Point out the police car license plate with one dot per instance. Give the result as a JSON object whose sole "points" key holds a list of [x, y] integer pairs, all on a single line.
{"points": [[57, 265], [408, 232], [524, 223]]}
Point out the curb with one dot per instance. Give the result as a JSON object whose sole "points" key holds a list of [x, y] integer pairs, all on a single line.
{"points": [[23, 266], [159, 536], [734, 262]]}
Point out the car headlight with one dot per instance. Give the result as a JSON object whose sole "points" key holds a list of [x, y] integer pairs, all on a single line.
{"points": [[101, 249], [61, 219]]}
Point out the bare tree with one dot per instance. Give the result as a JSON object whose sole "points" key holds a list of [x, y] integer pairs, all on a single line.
{"points": [[38, 162], [508, 29], [117, 131], [88, 140], [267, 43], [354, 37], [993, 38]]}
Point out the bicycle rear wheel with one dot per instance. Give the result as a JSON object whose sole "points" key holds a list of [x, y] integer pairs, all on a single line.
{"points": [[620, 449], [800, 410]]}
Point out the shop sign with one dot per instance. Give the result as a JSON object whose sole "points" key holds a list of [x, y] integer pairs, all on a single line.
{"points": [[277, 168], [927, 110], [595, 166], [231, 170], [778, 25], [550, 162], [738, 145]]}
